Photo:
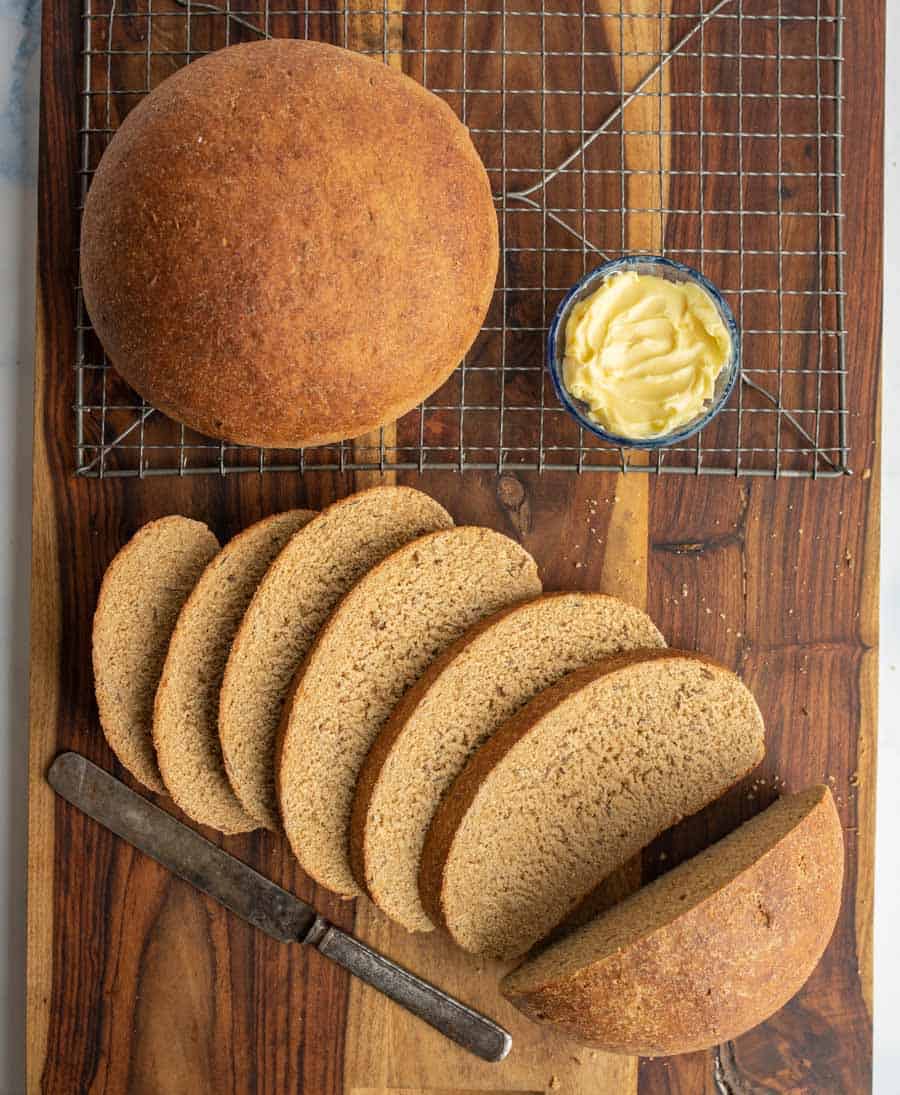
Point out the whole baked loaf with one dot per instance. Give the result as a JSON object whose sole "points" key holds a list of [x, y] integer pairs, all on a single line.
{"points": [[287, 243], [707, 951]]}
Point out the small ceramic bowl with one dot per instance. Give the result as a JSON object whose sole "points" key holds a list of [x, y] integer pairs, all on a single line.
{"points": [[671, 271]]}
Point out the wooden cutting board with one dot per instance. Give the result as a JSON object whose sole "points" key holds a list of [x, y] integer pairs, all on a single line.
{"points": [[138, 984]]}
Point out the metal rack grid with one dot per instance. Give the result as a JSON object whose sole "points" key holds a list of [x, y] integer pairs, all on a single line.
{"points": [[706, 131]]}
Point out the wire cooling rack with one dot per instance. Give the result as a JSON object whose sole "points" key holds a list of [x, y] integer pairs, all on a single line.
{"points": [[706, 131]]}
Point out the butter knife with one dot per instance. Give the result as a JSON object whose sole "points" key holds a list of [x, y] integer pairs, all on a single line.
{"points": [[262, 903]]}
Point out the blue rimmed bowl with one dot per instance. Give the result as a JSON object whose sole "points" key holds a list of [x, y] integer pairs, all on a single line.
{"points": [[671, 271]]}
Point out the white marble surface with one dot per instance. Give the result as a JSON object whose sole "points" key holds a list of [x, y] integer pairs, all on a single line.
{"points": [[19, 42], [19, 36]]}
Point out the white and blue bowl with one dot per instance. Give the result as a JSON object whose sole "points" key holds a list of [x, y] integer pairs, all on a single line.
{"points": [[671, 271]]}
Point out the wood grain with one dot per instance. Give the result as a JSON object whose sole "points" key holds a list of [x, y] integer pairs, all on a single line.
{"points": [[138, 984]]}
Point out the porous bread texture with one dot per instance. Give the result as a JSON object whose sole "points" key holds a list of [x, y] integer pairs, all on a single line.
{"points": [[287, 243], [140, 597], [575, 784], [186, 709], [384, 634], [314, 570], [470, 690], [706, 952]]}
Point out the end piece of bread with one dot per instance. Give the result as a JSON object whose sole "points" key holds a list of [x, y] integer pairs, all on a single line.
{"points": [[460, 700], [574, 785], [706, 952], [315, 569], [379, 640], [186, 710], [141, 595]]}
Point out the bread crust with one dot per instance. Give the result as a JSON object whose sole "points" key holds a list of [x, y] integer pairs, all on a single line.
{"points": [[718, 969], [459, 799], [259, 269]]}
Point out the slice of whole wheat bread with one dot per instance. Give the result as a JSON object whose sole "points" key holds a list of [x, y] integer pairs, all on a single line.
{"points": [[141, 595], [706, 952], [460, 700], [314, 570], [574, 784], [186, 710], [383, 635]]}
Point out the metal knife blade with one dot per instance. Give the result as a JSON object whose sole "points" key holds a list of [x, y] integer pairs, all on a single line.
{"points": [[262, 903], [181, 850]]}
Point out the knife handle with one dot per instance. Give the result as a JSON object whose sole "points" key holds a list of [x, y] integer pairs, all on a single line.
{"points": [[468, 1028]]}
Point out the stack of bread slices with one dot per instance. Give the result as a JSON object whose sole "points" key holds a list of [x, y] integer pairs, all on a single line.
{"points": [[398, 696]]}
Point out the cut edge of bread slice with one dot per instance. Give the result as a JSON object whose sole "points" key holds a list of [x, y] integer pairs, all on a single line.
{"points": [[314, 570], [186, 708], [451, 817], [142, 592], [523, 649], [325, 821], [708, 950]]}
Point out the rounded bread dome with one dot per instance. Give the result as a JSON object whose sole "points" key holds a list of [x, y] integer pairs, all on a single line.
{"points": [[287, 243]]}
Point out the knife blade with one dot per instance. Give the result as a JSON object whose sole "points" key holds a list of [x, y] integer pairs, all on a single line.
{"points": [[261, 902]]}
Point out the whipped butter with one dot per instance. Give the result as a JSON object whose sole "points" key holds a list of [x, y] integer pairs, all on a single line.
{"points": [[644, 353]]}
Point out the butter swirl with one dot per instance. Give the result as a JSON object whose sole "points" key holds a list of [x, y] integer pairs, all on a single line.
{"points": [[644, 353]]}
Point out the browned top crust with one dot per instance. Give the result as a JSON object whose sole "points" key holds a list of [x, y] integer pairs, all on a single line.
{"points": [[288, 243], [706, 952]]}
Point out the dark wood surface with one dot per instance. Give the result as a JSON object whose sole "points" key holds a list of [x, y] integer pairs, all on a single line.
{"points": [[138, 984]]}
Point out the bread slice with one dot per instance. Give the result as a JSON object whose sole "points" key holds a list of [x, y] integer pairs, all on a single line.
{"points": [[575, 784], [186, 711], [383, 635], [459, 701], [312, 573], [141, 595], [707, 951]]}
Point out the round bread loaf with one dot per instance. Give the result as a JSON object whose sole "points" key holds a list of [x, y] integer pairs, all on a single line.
{"points": [[287, 243], [706, 952], [460, 700], [576, 783]]}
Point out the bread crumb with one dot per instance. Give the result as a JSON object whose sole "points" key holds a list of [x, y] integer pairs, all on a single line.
{"points": [[867, 473], [554, 1083]]}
